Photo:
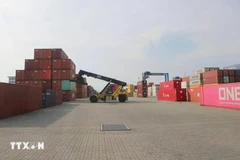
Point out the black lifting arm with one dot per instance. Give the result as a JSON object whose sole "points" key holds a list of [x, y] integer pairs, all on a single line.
{"points": [[80, 79]]}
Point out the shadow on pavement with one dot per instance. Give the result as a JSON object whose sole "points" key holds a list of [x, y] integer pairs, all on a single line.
{"points": [[40, 118]]}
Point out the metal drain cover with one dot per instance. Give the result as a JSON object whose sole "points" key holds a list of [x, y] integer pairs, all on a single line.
{"points": [[114, 127]]}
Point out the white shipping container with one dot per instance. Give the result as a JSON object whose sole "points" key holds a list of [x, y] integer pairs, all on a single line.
{"points": [[185, 85], [195, 82], [198, 76]]}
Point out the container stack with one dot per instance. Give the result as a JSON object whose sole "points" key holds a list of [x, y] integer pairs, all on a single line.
{"points": [[172, 91], [155, 89], [130, 90], [142, 89], [150, 94], [49, 70], [185, 85], [195, 84], [82, 90]]}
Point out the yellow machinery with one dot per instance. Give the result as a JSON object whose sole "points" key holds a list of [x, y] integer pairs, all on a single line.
{"points": [[118, 94]]}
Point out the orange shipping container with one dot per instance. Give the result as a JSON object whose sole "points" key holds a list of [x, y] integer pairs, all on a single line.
{"points": [[194, 93], [185, 79]]}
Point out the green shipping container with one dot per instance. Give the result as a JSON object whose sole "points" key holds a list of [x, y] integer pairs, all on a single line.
{"points": [[68, 86]]}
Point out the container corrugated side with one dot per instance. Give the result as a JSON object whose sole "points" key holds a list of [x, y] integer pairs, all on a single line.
{"points": [[222, 95]]}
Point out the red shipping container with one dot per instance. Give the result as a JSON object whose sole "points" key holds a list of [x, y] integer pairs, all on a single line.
{"points": [[221, 95], [56, 74], [68, 64], [38, 54], [69, 96], [37, 75], [47, 85], [225, 73], [29, 64], [171, 84], [46, 75], [213, 73], [231, 73], [185, 79], [19, 82], [37, 64], [27, 83], [46, 64], [194, 94], [47, 53], [37, 84], [58, 53], [28, 75], [67, 74], [231, 79], [59, 97], [56, 85], [20, 75], [172, 94], [56, 64], [25, 99]]}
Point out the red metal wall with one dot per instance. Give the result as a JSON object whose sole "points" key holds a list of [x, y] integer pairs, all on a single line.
{"points": [[18, 99]]}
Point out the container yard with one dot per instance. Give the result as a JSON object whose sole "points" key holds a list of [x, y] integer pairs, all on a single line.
{"points": [[50, 94]]}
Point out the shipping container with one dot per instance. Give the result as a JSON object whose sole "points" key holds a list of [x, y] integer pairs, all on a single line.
{"points": [[49, 98], [213, 80], [18, 99], [231, 73], [37, 84], [214, 73], [194, 94], [67, 64], [222, 95], [237, 79], [68, 86], [67, 74], [56, 74], [172, 94], [28, 74], [205, 69], [237, 73], [47, 53], [37, 75], [69, 96], [226, 79], [56, 85], [19, 75], [186, 78], [57, 64], [198, 76], [195, 82], [185, 84], [171, 84], [37, 64], [47, 85], [59, 97], [27, 83], [59, 54], [46, 75], [38, 54], [29, 64], [19, 82], [46, 64]]}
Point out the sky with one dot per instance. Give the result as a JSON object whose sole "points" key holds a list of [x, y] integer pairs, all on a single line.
{"points": [[122, 38]]}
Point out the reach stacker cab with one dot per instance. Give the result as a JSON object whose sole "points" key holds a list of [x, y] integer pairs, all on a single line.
{"points": [[118, 94]]}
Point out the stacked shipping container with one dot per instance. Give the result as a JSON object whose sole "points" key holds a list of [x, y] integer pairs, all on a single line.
{"points": [[82, 90], [130, 90], [171, 91], [195, 82], [142, 89], [50, 70]]}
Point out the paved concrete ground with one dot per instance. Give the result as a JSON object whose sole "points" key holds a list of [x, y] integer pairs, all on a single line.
{"points": [[160, 131]]}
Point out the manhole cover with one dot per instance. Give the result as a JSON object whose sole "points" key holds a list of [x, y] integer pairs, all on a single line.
{"points": [[114, 127]]}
